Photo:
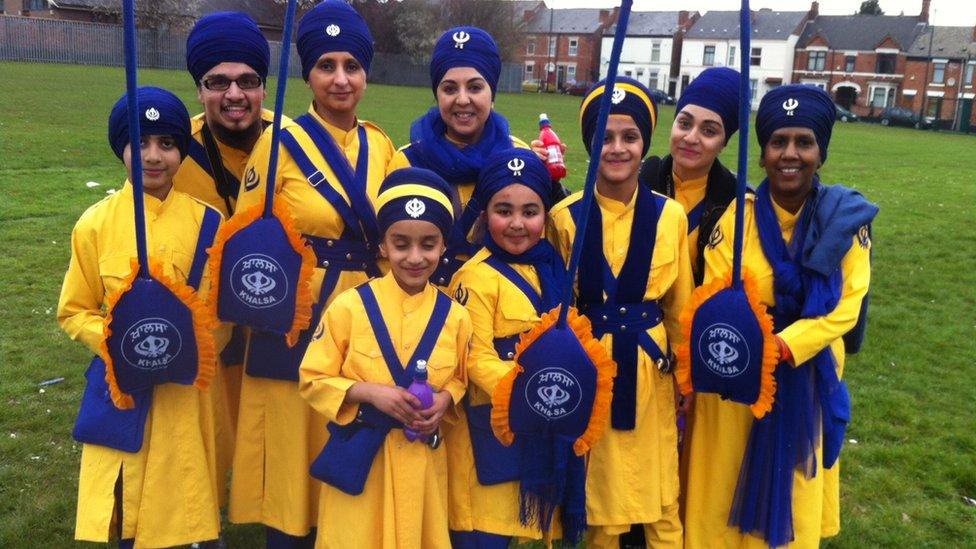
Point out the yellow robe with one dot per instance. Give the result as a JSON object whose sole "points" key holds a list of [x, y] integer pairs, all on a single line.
{"points": [[404, 504], [721, 428], [498, 309], [194, 180], [169, 487], [690, 194], [632, 476], [278, 434]]}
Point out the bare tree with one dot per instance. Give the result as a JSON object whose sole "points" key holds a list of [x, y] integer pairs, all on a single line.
{"points": [[870, 7], [161, 15]]}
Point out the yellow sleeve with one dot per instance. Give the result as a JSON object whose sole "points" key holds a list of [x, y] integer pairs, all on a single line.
{"points": [[319, 377], [458, 384], [481, 299], [718, 256], [398, 161], [676, 297], [82, 294], [808, 336]]}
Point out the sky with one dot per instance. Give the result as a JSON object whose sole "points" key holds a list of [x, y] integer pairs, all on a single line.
{"points": [[941, 12]]}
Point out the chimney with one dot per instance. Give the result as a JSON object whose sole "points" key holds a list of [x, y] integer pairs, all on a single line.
{"points": [[814, 10], [682, 18], [604, 17], [923, 15]]}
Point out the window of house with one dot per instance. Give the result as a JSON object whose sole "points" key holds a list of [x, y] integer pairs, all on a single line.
{"points": [[573, 46], [968, 79], [849, 63], [731, 62], [571, 72], [640, 72], [529, 70], [753, 87], [35, 5], [553, 40], [530, 47], [755, 57], [655, 51], [886, 63], [933, 107], [628, 74], [880, 97], [652, 80], [709, 58], [816, 60], [938, 73]]}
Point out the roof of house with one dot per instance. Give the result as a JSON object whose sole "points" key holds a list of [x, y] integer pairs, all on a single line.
{"points": [[581, 20], [861, 32], [766, 24], [947, 42], [649, 23]]}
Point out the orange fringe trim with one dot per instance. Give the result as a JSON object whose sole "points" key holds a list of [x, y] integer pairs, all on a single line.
{"points": [[303, 293], [767, 384], [204, 324], [606, 370]]}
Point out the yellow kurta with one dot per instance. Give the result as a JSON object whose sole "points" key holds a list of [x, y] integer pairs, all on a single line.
{"points": [[194, 180], [632, 476], [404, 504], [498, 308], [278, 434], [721, 428], [690, 194], [169, 487]]}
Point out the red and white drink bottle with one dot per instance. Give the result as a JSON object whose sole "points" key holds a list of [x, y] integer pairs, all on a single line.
{"points": [[555, 163]]}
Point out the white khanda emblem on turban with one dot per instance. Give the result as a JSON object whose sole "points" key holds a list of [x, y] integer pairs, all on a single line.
{"points": [[415, 208], [618, 95], [516, 165], [333, 30], [152, 114], [460, 38], [790, 105]]}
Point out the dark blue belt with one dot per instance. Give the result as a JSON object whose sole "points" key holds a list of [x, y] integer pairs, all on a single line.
{"points": [[343, 254], [624, 319], [505, 346]]}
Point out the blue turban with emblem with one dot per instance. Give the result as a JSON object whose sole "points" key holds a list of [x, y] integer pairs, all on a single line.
{"points": [[226, 37], [416, 194], [796, 106], [162, 113], [630, 97], [716, 89], [516, 165], [333, 26], [466, 47]]}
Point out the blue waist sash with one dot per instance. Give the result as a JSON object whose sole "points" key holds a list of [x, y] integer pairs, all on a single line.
{"points": [[348, 456]]}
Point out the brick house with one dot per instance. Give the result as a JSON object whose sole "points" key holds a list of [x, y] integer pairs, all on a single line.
{"points": [[652, 48], [713, 41], [563, 45], [939, 76], [859, 59]]}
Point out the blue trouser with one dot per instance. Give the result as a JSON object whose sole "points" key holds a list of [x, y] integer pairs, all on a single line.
{"points": [[276, 539], [478, 540]]}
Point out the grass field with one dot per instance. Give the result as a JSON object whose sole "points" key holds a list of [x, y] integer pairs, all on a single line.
{"points": [[904, 479]]}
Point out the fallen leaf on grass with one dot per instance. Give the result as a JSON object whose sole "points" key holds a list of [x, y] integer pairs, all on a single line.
{"points": [[853, 441], [969, 501], [92, 184], [905, 517], [110, 191]]}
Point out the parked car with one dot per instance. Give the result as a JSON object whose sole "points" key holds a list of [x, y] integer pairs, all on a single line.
{"points": [[577, 87], [900, 116], [531, 85], [845, 115], [661, 98]]}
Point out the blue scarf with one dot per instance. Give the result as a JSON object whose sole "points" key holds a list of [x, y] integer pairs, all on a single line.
{"points": [[786, 438], [548, 265], [431, 149]]}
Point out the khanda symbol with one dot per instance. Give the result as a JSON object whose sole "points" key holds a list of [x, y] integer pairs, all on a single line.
{"points": [[790, 105], [152, 114], [415, 208], [553, 395], [152, 346], [618, 95], [460, 38], [722, 352], [516, 165], [258, 283]]}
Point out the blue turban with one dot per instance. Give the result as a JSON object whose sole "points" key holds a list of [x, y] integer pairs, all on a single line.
{"points": [[332, 26], [416, 194], [796, 106], [504, 168], [160, 113], [631, 98], [716, 89], [226, 37], [466, 47]]}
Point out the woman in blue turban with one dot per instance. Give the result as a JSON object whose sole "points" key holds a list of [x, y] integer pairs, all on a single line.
{"points": [[330, 167], [775, 482], [454, 138]]}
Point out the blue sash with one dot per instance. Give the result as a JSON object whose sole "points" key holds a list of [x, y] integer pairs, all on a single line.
{"points": [[199, 155], [348, 456], [695, 216], [99, 421], [624, 313], [269, 356]]}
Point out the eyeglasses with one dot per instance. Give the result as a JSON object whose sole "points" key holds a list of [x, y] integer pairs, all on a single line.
{"points": [[222, 83]]}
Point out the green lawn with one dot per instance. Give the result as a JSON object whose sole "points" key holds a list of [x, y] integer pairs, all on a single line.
{"points": [[904, 479]]}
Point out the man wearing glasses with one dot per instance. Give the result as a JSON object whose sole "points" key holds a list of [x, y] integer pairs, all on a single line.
{"points": [[228, 58]]}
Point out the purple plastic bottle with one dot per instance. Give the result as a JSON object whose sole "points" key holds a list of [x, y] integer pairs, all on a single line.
{"points": [[420, 389]]}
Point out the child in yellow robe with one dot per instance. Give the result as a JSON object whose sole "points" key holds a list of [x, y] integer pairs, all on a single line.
{"points": [[634, 279], [381, 489], [165, 492]]}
